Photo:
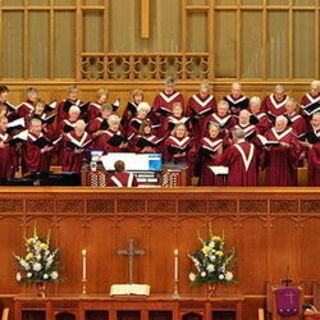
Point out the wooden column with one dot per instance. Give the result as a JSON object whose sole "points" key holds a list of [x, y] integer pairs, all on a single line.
{"points": [[145, 19]]}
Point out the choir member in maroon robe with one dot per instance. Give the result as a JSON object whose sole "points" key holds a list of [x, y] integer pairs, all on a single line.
{"points": [[241, 159], [312, 143], [72, 99], [176, 117], [222, 118], [76, 144], [199, 107], [179, 147], [26, 108], [112, 140], [145, 141], [121, 178], [296, 121], [8, 156], [94, 109], [162, 105], [209, 148], [281, 160], [67, 125], [258, 118], [309, 98], [275, 104], [250, 130], [35, 158], [137, 96], [8, 110], [237, 100], [97, 126]]}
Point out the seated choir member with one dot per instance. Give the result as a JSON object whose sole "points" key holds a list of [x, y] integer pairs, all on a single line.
{"points": [[281, 161], [7, 111], [137, 96], [312, 143], [142, 114], [179, 147], [257, 117], [275, 104], [312, 97], [199, 107], [67, 125], [72, 99], [97, 126], [121, 178], [145, 141], [175, 118], [112, 140], [242, 160], [94, 109], [209, 148], [76, 144], [296, 121], [222, 118], [35, 156], [27, 107], [236, 100], [250, 130], [8, 156]]}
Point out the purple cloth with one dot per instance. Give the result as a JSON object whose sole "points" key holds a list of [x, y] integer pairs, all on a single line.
{"points": [[288, 301]]}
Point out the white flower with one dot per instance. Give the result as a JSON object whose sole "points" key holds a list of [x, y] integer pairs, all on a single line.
{"points": [[203, 274], [54, 275], [38, 257], [221, 276], [46, 252], [192, 277], [211, 244], [37, 266], [213, 258], [18, 276], [229, 276], [29, 275], [24, 264], [210, 267], [45, 276]]}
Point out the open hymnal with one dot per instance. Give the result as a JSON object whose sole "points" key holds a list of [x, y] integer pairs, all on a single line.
{"points": [[130, 289], [219, 170]]}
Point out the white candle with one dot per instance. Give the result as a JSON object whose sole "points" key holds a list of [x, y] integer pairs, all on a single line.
{"points": [[176, 265], [84, 264]]}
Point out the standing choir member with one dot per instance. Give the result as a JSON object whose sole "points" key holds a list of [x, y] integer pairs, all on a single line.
{"points": [[209, 148], [97, 126], [237, 100], [242, 160], [137, 96], [250, 130], [8, 110], [36, 155], [275, 104], [122, 178], [94, 109], [282, 160], [258, 118], [199, 107], [76, 144], [27, 107], [313, 97], [8, 157]]}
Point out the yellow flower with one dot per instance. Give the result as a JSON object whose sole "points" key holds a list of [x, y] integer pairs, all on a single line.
{"points": [[216, 238], [219, 253], [43, 246], [30, 241], [206, 249], [29, 256]]}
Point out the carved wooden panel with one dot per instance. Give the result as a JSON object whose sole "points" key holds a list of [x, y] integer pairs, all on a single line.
{"points": [[38, 205], [256, 206], [131, 206], [11, 205], [100, 206], [283, 206], [74, 206], [165, 206], [310, 206], [192, 206], [228, 206]]}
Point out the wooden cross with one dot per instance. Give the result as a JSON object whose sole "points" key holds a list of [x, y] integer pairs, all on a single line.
{"points": [[145, 19], [290, 294], [130, 252]]}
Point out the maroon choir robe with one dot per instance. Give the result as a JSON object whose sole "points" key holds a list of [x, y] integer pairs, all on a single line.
{"points": [[129, 112], [97, 124], [297, 123], [226, 123], [172, 121], [242, 161], [314, 165], [261, 121], [101, 142], [205, 159], [250, 131], [8, 159], [134, 126], [73, 161], [94, 110], [198, 109], [123, 179], [25, 109], [308, 99], [236, 104], [63, 114], [281, 163], [273, 107], [32, 158], [134, 143]]}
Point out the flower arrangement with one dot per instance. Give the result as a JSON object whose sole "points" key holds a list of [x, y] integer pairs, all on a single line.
{"points": [[212, 262], [40, 264]]}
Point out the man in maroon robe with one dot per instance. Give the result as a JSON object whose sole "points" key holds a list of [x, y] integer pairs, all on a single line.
{"points": [[121, 178], [282, 159], [312, 97], [237, 100], [242, 161]]}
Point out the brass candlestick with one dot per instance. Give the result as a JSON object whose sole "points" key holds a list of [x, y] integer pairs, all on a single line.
{"points": [[84, 287], [176, 294]]}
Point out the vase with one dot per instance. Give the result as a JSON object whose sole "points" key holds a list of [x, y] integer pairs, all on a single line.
{"points": [[212, 289], [41, 289]]}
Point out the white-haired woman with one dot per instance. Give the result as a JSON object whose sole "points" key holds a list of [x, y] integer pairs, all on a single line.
{"points": [[77, 143], [259, 118]]}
